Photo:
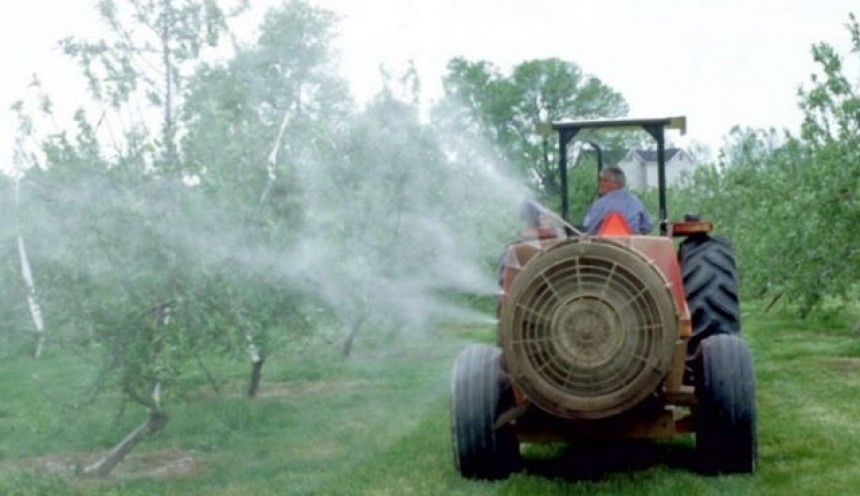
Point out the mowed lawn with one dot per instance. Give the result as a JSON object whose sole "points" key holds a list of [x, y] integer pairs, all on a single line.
{"points": [[377, 424]]}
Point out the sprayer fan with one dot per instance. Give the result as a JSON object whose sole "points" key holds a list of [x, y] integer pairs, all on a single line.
{"points": [[588, 328]]}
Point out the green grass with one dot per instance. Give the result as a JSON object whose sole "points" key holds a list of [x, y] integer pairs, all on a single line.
{"points": [[377, 424]]}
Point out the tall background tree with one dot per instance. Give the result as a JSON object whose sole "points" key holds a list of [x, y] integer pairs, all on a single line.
{"points": [[511, 111]]}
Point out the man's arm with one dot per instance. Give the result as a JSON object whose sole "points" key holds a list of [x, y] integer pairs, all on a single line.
{"points": [[645, 223], [594, 216]]}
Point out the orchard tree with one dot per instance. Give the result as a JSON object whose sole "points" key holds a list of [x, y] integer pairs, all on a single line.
{"points": [[119, 238], [830, 178], [360, 198], [249, 121]]}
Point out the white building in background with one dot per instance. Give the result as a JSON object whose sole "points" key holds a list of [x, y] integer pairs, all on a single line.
{"points": [[640, 167]]}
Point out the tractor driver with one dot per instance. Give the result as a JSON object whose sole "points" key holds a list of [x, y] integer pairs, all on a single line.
{"points": [[614, 197]]}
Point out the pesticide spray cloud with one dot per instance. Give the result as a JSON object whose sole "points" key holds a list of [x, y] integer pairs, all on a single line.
{"points": [[401, 221], [397, 226]]}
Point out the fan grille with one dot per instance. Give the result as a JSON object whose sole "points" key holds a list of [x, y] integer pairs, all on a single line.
{"points": [[588, 329]]}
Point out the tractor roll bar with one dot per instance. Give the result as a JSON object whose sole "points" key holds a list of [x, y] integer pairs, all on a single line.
{"points": [[655, 127]]}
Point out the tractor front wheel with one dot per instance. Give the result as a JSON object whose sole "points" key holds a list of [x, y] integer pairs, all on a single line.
{"points": [[480, 392], [725, 417]]}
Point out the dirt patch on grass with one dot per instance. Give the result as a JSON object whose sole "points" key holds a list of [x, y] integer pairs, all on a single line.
{"points": [[285, 389], [403, 354], [292, 389], [844, 364], [161, 464], [319, 451]]}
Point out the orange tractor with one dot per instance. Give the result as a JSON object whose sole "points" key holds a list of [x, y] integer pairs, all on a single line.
{"points": [[608, 337]]}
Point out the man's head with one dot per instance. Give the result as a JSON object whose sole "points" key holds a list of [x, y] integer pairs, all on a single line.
{"points": [[611, 178]]}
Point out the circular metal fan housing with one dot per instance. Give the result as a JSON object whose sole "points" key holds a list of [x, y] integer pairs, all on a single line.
{"points": [[588, 328]]}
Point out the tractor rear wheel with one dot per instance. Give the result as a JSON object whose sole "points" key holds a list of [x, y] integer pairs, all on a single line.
{"points": [[725, 418], [480, 392], [711, 286]]}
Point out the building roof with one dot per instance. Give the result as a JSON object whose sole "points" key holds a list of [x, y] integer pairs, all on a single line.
{"points": [[651, 155]]}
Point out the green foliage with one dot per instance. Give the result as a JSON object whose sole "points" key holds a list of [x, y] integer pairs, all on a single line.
{"points": [[250, 121], [149, 51], [135, 265], [111, 271], [510, 110], [791, 204]]}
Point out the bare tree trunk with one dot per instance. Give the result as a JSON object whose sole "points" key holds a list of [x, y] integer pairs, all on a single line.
{"points": [[272, 160], [254, 353], [32, 301], [169, 130], [27, 274], [155, 421], [775, 298], [257, 361], [350, 338], [209, 377]]}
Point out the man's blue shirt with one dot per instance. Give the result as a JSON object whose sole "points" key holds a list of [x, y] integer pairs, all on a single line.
{"points": [[622, 202]]}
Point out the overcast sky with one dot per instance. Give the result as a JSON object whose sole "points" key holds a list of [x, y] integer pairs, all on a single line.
{"points": [[719, 62]]}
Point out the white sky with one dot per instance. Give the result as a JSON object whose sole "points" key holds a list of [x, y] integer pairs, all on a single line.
{"points": [[719, 62]]}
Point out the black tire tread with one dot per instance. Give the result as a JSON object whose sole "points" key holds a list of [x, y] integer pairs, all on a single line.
{"points": [[726, 437], [711, 287], [480, 391]]}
